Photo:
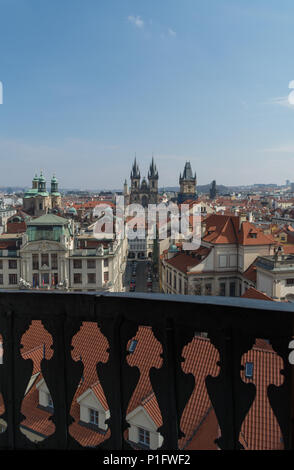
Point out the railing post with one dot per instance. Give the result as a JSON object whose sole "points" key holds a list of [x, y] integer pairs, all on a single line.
{"points": [[164, 385], [9, 361], [230, 396]]}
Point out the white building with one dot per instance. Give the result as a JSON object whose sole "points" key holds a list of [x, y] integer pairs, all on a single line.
{"points": [[275, 276], [49, 256], [219, 266]]}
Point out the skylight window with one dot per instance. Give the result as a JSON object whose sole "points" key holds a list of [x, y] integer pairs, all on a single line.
{"points": [[249, 370], [133, 345]]}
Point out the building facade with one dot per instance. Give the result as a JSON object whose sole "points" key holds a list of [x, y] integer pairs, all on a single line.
{"points": [[49, 255], [223, 265]]}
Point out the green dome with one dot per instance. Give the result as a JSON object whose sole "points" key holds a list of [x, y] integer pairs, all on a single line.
{"points": [[42, 179], [173, 249]]}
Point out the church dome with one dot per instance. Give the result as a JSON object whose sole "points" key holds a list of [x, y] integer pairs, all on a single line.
{"points": [[173, 248], [41, 179]]}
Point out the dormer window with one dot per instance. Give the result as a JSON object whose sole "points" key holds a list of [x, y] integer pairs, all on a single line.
{"points": [[144, 437], [133, 345], [253, 234], [94, 416], [249, 370]]}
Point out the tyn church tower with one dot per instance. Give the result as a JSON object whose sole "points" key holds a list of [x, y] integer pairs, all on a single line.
{"points": [[143, 192]]}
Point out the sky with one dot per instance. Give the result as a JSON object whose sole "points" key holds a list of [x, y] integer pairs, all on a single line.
{"points": [[87, 84]]}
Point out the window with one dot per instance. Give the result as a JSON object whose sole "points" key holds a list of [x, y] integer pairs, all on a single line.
{"points": [[44, 278], [77, 264], [91, 263], [94, 417], [54, 264], [133, 345], [1, 278], [77, 278], [249, 370], [144, 436], [35, 261], [91, 278], [106, 276], [12, 264], [207, 289], [197, 290], [35, 280], [222, 289], [223, 261], [232, 289], [290, 282], [44, 259], [1, 264], [105, 262], [12, 279]]}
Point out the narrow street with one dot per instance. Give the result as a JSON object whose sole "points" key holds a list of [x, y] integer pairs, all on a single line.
{"points": [[140, 277]]}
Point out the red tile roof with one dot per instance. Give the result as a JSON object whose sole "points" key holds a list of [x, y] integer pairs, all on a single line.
{"points": [[250, 272], [224, 229], [253, 293], [198, 422], [183, 261]]}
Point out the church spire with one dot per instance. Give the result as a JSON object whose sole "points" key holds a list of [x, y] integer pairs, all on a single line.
{"points": [[135, 173], [152, 173]]}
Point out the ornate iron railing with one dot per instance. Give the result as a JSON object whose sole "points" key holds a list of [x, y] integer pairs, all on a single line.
{"points": [[232, 325]]}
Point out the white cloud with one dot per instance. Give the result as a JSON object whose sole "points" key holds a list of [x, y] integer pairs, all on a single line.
{"points": [[281, 101], [136, 20], [171, 32]]}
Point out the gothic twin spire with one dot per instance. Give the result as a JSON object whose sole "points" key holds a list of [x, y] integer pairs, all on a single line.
{"points": [[152, 173]]}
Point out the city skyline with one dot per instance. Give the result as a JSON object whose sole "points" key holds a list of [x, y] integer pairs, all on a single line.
{"points": [[86, 86]]}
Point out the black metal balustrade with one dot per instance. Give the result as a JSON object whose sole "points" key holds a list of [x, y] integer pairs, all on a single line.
{"points": [[232, 325]]}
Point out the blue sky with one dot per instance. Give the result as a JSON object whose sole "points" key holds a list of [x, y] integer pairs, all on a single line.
{"points": [[89, 83]]}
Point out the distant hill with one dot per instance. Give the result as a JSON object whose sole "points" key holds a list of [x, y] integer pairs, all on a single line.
{"points": [[203, 189]]}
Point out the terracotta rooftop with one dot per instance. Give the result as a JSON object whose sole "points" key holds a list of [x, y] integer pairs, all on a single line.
{"points": [[253, 293], [260, 429]]}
